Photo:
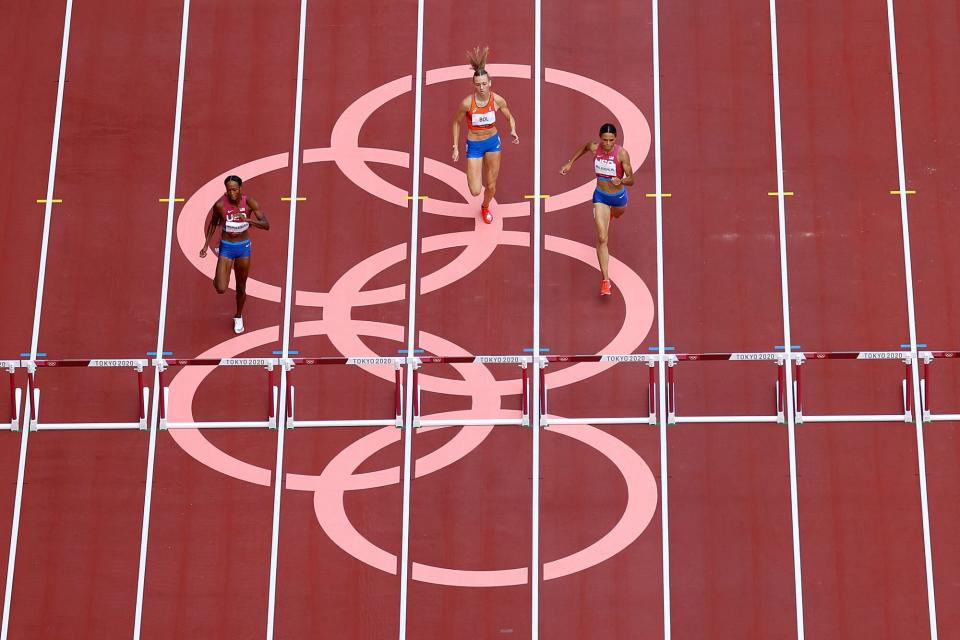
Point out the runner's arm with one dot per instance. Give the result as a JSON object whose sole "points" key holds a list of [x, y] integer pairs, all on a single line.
{"points": [[215, 217], [587, 148], [627, 178], [502, 105], [457, 119], [257, 218]]}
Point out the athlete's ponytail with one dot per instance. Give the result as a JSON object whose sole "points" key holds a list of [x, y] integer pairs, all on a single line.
{"points": [[478, 60]]}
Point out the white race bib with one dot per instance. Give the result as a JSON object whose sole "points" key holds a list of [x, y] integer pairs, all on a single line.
{"points": [[235, 225], [483, 119], [605, 167]]}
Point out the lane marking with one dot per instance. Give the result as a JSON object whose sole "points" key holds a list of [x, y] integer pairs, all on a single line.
{"points": [[417, 198], [287, 302], [536, 571], [661, 337], [658, 195], [902, 191], [49, 201], [415, 161], [788, 345], [170, 200], [534, 197], [908, 277], [781, 192], [48, 208], [293, 199]]}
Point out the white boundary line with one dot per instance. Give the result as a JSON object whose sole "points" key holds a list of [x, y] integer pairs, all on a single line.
{"points": [[535, 403], [287, 330], [161, 328], [47, 210], [411, 328], [661, 327], [787, 336], [908, 276]]}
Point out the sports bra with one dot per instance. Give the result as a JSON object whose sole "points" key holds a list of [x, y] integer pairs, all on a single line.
{"points": [[482, 118], [231, 213], [607, 165]]}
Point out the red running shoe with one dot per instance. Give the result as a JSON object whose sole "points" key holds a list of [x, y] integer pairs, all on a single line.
{"points": [[604, 287], [486, 215]]}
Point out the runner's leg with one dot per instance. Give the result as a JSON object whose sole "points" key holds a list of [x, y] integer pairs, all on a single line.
{"points": [[474, 169], [491, 169], [221, 279], [601, 217], [241, 267]]}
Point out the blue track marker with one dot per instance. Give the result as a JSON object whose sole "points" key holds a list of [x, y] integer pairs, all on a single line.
{"points": [[542, 349], [292, 352], [919, 346], [39, 355], [165, 353], [665, 348], [793, 347], [405, 351]]}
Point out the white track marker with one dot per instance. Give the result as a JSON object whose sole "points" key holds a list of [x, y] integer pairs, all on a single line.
{"points": [[171, 201], [287, 329], [536, 203], [787, 336], [908, 275], [415, 199], [48, 206], [661, 327]]}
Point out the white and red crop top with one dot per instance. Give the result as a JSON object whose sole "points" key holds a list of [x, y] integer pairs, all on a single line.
{"points": [[482, 118], [607, 165], [233, 214]]}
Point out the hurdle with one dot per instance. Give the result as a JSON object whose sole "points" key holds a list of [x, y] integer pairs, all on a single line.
{"points": [[15, 393], [906, 385], [780, 359], [649, 360], [396, 363], [268, 364], [523, 362], [31, 416], [927, 358]]}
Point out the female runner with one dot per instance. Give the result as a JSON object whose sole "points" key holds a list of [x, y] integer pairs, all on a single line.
{"points": [[236, 212], [611, 163], [479, 110]]}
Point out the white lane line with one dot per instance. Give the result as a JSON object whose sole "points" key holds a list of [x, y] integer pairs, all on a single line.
{"points": [[287, 303], [47, 209], [535, 418], [411, 328], [164, 290], [785, 310], [908, 275], [661, 327]]}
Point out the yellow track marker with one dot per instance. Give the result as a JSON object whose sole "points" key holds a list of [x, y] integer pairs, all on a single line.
{"points": [[289, 199], [54, 201], [168, 200], [777, 193], [419, 197], [909, 192], [658, 195], [541, 196]]}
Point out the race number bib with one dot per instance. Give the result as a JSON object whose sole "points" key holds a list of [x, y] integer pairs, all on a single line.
{"points": [[483, 119], [235, 224], [606, 167]]}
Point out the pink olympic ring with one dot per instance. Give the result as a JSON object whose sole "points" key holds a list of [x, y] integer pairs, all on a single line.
{"points": [[344, 332]]}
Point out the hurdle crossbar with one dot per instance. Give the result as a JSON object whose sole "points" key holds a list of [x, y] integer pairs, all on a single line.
{"points": [[396, 362], [523, 362], [15, 392], [780, 359], [268, 364], [649, 418], [906, 385], [31, 416]]}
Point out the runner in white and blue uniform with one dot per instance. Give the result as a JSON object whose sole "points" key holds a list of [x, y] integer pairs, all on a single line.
{"points": [[614, 174], [237, 213]]}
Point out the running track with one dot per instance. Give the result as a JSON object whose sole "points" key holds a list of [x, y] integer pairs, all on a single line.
{"points": [[728, 537]]}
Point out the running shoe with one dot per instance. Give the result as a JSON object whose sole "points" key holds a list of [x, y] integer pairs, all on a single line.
{"points": [[604, 287], [238, 325], [486, 215]]}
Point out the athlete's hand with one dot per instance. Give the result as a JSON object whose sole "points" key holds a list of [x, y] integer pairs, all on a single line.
{"points": [[616, 182], [565, 168], [456, 153], [516, 138]]}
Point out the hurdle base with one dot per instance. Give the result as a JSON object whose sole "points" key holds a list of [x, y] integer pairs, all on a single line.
{"points": [[36, 425]]}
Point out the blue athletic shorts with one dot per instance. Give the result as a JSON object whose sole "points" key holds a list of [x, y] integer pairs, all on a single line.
{"points": [[618, 199], [476, 148], [234, 249]]}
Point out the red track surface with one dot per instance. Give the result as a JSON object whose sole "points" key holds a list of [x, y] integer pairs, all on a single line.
{"points": [[730, 534]]}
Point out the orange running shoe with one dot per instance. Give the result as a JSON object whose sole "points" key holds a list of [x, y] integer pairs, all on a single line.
{"points": [[486, 215], [604, 287]]}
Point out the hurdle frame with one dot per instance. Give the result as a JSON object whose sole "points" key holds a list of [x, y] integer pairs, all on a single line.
{"points": [[16, 394]]}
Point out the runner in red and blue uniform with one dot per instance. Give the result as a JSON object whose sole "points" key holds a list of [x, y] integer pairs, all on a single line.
{"points": [[237, 213], [611, 163], [479, 112]]}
